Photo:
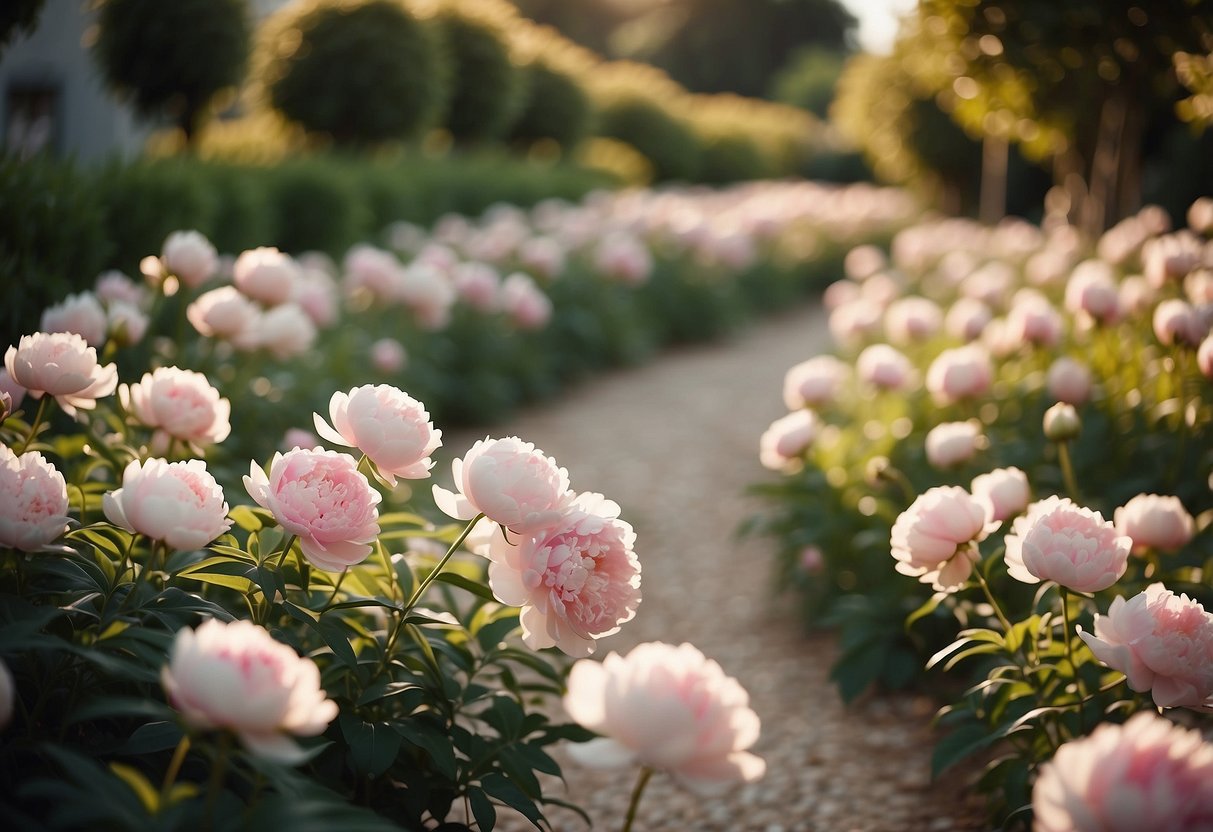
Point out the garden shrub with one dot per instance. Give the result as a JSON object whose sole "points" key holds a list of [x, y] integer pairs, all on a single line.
{"points": [[557, 108], [360, 72], [315, 206]]}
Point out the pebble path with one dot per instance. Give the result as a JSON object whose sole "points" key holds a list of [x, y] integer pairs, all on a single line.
{"points": [[675, 443]]}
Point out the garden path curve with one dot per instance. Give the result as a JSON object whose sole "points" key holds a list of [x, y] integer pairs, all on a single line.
{"points": [[675, 443]]}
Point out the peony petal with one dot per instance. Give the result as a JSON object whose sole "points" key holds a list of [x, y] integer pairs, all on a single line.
{"points": [[601, 753]]}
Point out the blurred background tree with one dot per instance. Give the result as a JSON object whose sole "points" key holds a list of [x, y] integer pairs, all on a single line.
{"points": [[171, 58], [18, 17]]}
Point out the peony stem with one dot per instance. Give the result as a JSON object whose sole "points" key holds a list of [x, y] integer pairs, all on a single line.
{"points": [[174, 767], [429, 579], [290, 541], [33, 428], [1065, 623], [985, 587], [1067, 471], [387, 564], [336, 587], [641, 782], [218, 769]]}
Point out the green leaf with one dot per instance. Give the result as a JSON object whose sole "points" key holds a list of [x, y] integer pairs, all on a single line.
{"points": [[108, 707], [222, 571], [956, 746], [436, 744], [925, 610], [245, 518], [373, 746], [147, 794], [482, 809], [475, 587], [498, 786]]}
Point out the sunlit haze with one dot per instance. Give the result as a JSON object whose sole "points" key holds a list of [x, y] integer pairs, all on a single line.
{"points": [[878, 21]]}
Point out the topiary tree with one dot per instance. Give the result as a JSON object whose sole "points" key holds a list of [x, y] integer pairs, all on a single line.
{"points": [[557, 107], [359, 71], [487, 87], [172, 57]]}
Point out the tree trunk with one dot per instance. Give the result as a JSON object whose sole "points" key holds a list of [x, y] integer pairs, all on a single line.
{"points": [[1105, 165], [993, 200]]}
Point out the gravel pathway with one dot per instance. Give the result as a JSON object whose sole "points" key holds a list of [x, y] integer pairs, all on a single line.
{"points": [[675, 443]]}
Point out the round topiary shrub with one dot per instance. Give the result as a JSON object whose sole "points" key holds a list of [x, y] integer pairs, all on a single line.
{"points": [[359, 71], [557, 107], [487, 87], [172, 57]]}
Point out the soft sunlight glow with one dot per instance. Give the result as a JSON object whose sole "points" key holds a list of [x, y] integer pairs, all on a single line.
{"points": [[878, 20]]}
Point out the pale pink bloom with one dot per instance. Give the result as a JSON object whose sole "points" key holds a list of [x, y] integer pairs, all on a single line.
{"points": [[127, 323], [731, 247], [371, 269], [784, 443], [853, 322], [438, 257], [812, 561], [864, 261], [34, 498], [542, 256], [935, 539], [1034, 320], [15, 391], [998, 339], [814, 382], [1057, 540], [880, 289], [1147, 774], [510, 482], [180, 403], [190, 257], [6, 405], [285, 331], [266, 274], [960, 373], [1062, 423], [324, 499], [967, 319], [81, 314], [227, 315], [236, 677], [884, 367], [1163, 643], [912, 319], [622, 256], [316, 294], [176, 502], [577, 580], [477, 285], [388, 356], [667, 708], [427, 292], [115, 287], [1137, 296], [991, 284], [391, 427], [1004, 492], [298, 438], [62, 365], [1155, 522], [838, 293], [1204, 357], [1200, 215], [524, 302], [1177, 323], [952, 443], [1198, 287], [1171, 257], [1092, 290], [1068, 381]]}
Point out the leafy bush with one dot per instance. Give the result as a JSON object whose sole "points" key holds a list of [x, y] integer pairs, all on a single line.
{"points": [[315, 206], [557, 107], [359, 72], [173, 57]]}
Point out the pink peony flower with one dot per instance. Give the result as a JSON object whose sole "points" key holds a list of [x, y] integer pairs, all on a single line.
{"points": [[934, 539], [577, 580], [179, 403], [227, 315], [952, 443], [542, 257], [237, 677], [812, 561], [1200, 215], [1057, 540], [285, 331], [814, 382], [864, 261], [15, 391], [115, 287], [316, 294], [1092, 290], [623, 257], [1147, 774], [391, 427], [510, 482], [34, 499], [912, 319], [967, 318], [176, 502], [1068, 381], [1034, 320], [785, 441], [1155, 522], [961, 373], [1204, 357], [127, 324], [324, 499], [191, 257], [81, 314], [668, 708], [266, 274], [62, 365], [853, 322], [298, 438], [371, 269], [884, 367], [1004, 492], [427, 292], [1177, 323], [1171, 257], [477, 285], [1163, 643], [524, 302], [1136, 295], [388, 356]]}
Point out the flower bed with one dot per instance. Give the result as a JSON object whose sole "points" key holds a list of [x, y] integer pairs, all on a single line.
{"points": [[208, 617], [996, 487]]}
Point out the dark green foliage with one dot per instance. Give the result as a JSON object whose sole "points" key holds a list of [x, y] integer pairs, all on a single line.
{"points": [[557, 107], [731, 156], [173, 57], [18, 17], [807, 80], [487, 90], [362, 73], [662, 137], [51, 235], [316, 207]]}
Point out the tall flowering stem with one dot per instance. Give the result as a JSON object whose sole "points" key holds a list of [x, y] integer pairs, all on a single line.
{"points": [[634, 803], [1067, 471], [1066, 633], [985, 587], [33, 428], [430, 578]]}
